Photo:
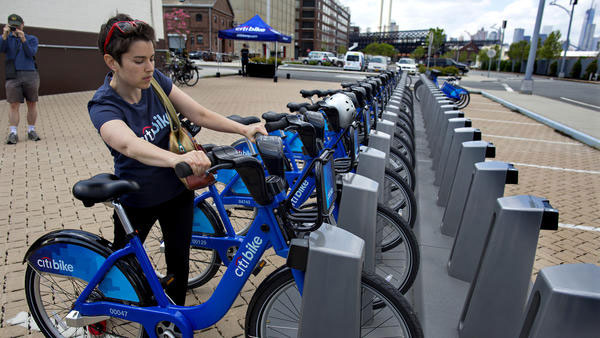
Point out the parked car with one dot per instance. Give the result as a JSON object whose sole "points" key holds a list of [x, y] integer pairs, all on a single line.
{"points": [[335, 61], [320, 58], [354, 61], [377, 63], [407, 65], [444, 62], [195, 55]]}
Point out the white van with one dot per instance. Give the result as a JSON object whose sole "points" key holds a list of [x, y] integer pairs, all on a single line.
{"points": [[354, 61]]}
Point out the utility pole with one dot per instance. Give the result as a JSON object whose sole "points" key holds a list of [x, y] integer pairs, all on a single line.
{"points": [[561, 74], [429, 47], [501, 42], [527, 83]]}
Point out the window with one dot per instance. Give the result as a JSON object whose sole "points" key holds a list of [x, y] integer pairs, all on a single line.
{"points": [[308, 24], [222, 21], [198, 17], [308, 3], [215, 18], [199, 39], [308, 14]]}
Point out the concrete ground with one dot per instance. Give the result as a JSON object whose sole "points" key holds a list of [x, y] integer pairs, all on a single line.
{"points": [[36, 180]]}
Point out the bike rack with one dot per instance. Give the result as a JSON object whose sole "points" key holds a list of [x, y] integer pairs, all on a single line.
{"points": [[557, 288], [474, 217], [380, 141], [335, 258], [387, 127], [371, 164], [505, 267], [444, 135], [447, 167], [471, 153]]}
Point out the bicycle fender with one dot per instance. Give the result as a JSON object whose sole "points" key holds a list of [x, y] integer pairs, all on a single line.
{"points": [[79, 254]]}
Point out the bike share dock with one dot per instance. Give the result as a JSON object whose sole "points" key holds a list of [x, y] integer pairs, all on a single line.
{"points": [[478, 247]]}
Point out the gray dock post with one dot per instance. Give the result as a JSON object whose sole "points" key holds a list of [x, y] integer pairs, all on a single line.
{"points": [[380, 141], [440, 152], [371, 164], [449, 167], [472, 152], [358, 213], [335, 257], [387, 127], [505, 268], [486, 186], [564, 302], [439, 131]]}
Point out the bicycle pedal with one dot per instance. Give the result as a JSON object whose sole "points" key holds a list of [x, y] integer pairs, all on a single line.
{"points": [[167, 280], [259, 267]]}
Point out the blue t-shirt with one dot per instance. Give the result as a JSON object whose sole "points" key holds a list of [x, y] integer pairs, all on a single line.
{"points": [[149, 120], [22, 53]]}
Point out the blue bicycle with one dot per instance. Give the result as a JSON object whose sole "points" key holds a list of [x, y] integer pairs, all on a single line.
{"points": [[450, 88], [76, 285]]}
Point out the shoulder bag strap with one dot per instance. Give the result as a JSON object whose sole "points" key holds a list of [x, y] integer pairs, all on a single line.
{"points": [[173, 119]]}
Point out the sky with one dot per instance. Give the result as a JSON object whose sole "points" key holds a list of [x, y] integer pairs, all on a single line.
{"points": [[458, 16]]}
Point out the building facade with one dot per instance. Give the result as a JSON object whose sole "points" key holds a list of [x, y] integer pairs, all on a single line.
{"points": [[200, 27], [321, 25], [587, 30], [279, 14], [518, 35]]}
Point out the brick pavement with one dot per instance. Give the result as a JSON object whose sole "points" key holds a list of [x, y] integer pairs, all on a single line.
{"points": [[36, 180]]}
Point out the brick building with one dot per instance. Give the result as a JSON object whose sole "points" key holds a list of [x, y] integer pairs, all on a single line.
{"points": [[206, 19], [321, 25]]}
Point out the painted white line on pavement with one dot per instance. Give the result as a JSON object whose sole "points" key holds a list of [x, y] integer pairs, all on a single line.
{"points": [[578, 227], [535, 140], [511, 122], [578, 102], [558, 168], [507, 87], [22, 319], [499, 110]]}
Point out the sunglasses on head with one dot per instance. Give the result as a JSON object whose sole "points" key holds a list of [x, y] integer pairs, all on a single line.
{"points": [[124, 27]]}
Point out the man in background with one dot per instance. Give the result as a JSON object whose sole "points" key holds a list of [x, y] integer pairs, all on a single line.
{"points": [[22, 78], [244, 53]]}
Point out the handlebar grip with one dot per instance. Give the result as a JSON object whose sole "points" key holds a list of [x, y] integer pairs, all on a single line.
{"points": [[183, 170], [276, 125]]}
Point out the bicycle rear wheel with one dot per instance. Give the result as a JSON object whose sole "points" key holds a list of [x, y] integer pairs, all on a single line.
{"points": [[191, 77], [399, 164], [274, 310], [399, 197], [50, 298]]}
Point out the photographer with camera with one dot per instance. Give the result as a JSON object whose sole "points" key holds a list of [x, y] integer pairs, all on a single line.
{"points": [[22, 78]]}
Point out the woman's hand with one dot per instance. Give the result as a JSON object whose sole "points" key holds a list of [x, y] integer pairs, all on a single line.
{"points": [[197, 160], [253, 129]]}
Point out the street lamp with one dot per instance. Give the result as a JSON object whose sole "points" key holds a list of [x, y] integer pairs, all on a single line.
{"points": [[570, 13], [501, 42]]}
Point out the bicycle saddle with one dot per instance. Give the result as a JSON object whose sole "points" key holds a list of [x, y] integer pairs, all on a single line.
{"points": [[294, 107], [308, 93], [102, 188], [347, 84], [270, 149], [244, 120], [272, 116], [360, 94]]}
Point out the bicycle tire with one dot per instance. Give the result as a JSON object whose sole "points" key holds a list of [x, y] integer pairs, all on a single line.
{"points": [[400, 144], [399, 164], [399, 197], [465, 100], [404, 136], [204, 263], [192, 77], [279, 289], [400, 255], [49, 310]]}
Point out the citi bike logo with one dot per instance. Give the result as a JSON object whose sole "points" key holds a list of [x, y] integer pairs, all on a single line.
{"points": [[243, 261], [300, 192], [58, 265]]}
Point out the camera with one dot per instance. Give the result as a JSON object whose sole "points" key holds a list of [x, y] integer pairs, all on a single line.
{"points": [[13, 28]]}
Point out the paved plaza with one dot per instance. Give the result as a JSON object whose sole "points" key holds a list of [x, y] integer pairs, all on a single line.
{"points": [[36, 180]]}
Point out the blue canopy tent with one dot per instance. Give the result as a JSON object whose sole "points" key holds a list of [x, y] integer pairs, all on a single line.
{"points": [[255, 29]]}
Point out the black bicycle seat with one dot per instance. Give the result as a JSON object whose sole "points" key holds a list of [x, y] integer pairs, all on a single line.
{"points": [[308, 93], [102, 188], [272, 116], [347, 84], [294, 106], [244, 120]]}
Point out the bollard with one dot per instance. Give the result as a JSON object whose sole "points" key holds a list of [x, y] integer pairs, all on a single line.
{"points": [[440, 152], [486, 186], [371, 164], [380, 141], [334, 257], [564, 302], [447, 169], [471, 153], [498, 293], [358, 211], [287, 76]]}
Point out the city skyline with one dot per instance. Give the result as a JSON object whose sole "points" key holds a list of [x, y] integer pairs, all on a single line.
{"points": [[474, 14]]}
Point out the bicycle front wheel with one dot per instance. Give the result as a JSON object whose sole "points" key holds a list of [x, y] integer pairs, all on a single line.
{"points": [[399, 197], [274, 310], [50, 298], [191, 77]]}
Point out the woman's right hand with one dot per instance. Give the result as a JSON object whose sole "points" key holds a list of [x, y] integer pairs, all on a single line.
{"points": [[197, 160]]}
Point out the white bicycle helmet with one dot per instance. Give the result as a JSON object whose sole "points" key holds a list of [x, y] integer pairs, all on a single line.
{"points": [[346, 112]]}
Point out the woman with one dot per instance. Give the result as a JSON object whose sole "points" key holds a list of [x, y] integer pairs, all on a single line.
{"points": [[133, 122]]}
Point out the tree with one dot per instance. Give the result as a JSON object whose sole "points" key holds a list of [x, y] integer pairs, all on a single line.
{"points": [[551, 48], [484, 58], [342, 49], [380, 49], [451, 54], [438, 39], [576, 70], [518, 51], [418, 53], [176, 21]]}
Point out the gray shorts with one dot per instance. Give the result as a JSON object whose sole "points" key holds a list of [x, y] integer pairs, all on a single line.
{"points": [[25, 86]]}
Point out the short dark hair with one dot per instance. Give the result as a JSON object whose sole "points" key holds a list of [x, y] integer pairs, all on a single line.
{"points": [[119, 43]]}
